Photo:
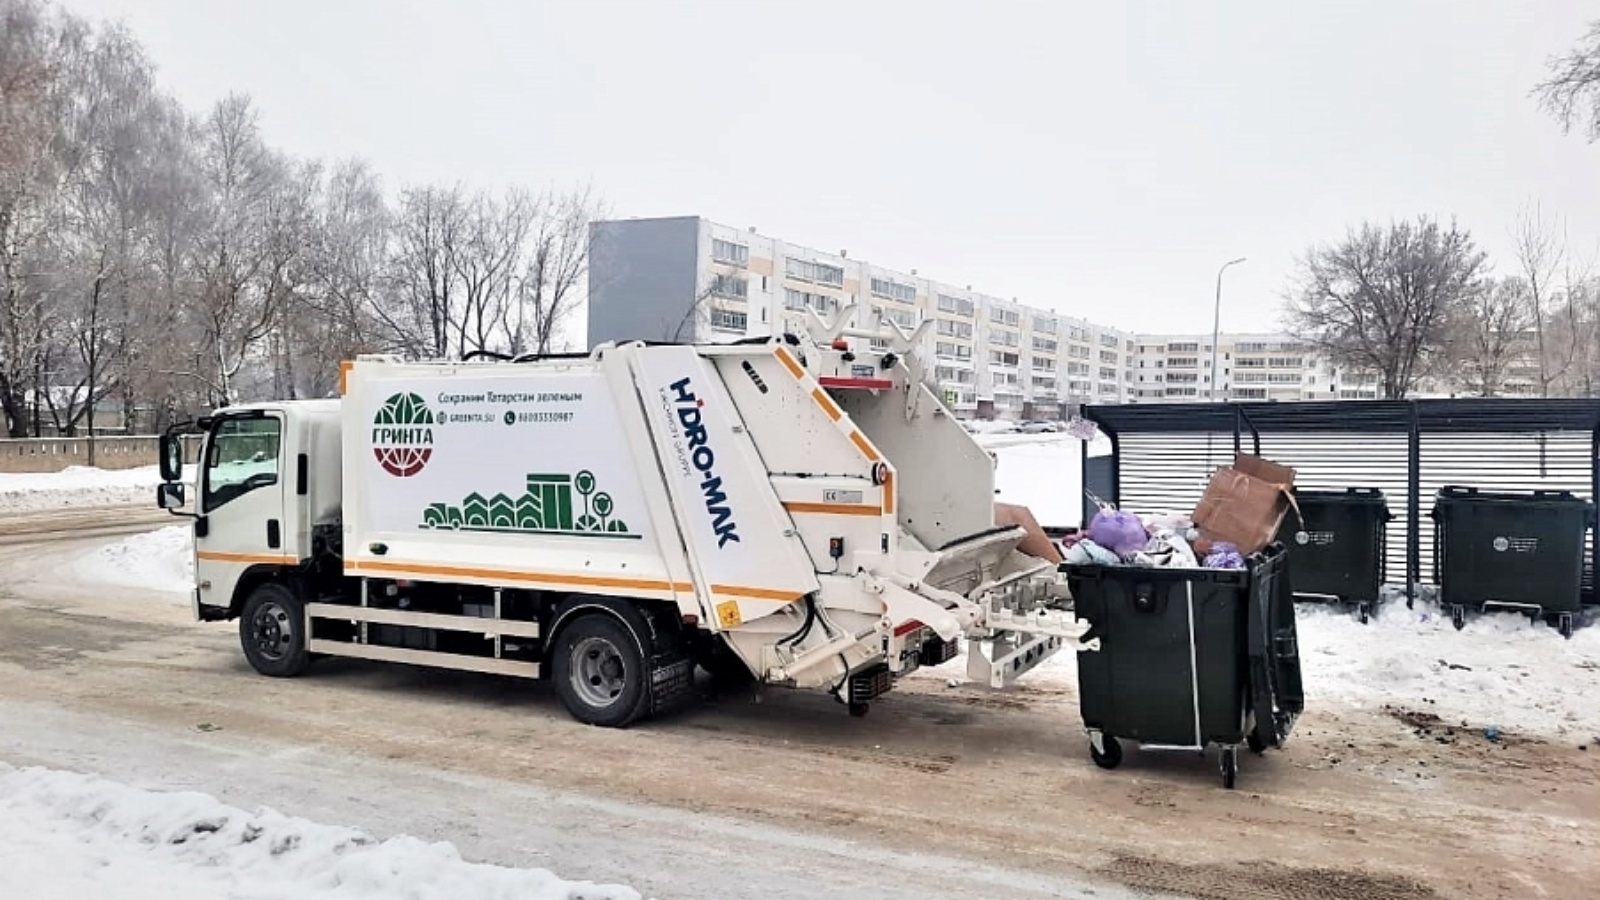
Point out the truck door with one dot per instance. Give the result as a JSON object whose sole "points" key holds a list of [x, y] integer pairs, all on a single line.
{"points": [[242, 493]]}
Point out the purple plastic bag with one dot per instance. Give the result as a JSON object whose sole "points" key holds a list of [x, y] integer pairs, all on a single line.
{"points": [[1224, 555], [1120, 532]]}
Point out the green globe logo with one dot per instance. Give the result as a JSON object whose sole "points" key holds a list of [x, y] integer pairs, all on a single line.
{"points": [[402, 435]]}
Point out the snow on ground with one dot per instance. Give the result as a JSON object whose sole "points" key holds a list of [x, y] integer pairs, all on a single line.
{"points": [[1043, 472], [156, 560], [1501, 669], [64, 836], [78, 486]]}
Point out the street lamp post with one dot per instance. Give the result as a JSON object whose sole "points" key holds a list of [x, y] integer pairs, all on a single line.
{"points": [[1216, 327]]}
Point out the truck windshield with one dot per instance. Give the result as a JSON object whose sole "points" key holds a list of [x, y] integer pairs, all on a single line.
{"points": [[243, 456]]}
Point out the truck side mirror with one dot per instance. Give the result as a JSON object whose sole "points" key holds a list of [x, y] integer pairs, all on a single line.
{"points": [[172, 461], [169, 495]]}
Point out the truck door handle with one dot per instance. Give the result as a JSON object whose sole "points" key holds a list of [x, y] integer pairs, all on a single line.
{"points": [[274, 535]]}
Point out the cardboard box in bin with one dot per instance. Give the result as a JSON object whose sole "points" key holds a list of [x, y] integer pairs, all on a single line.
{"points": [[1245, 503]]}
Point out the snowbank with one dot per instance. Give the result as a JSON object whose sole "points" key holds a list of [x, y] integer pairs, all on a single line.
{"points": [[156, 560], [65, 836], [1501, 669], [79, 486]]}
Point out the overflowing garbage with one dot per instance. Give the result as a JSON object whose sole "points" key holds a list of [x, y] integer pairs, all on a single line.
{"points": [[1121, 538], [1240, 513]]}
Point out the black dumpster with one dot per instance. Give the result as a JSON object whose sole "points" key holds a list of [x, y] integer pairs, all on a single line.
{"points": [[1510, 551], [1337, 544], [1187, 658]]}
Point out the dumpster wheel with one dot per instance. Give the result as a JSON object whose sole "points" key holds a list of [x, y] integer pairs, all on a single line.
{"points": [[1255, 743], [1230, 766], [1564, 625], [1458, 616], [1105, 750]]}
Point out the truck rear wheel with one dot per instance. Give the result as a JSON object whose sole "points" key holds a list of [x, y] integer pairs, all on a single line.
{"points": [[272, 631], [600, 672]]}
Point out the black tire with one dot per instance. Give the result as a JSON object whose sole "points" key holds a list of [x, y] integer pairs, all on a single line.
{"points": [[1564, 625], [272, 631], [1111, 757], [1230, 767], [1458, 617], [1255, 743], [860, 710], [1363, 612], [599, 672]]}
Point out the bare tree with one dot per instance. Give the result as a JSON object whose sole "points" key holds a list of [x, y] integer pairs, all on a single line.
{"points": [[235, 263], [429, 228], [1571, 93], [486, 262], [1489, 335], [558, 260], [1383, 298]]}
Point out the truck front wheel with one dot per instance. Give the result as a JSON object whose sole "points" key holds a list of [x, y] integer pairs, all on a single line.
{"points": [[272, 631], [599, 672]]}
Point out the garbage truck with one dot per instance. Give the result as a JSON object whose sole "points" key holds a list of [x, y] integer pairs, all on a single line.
{"points": [[800, 511]]}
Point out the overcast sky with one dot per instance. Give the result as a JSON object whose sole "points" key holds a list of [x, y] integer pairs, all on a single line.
{"points": [[1103, 159]]}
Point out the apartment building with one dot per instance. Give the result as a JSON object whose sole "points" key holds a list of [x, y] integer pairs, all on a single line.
{"points": [[1179, 369], [690, 279]]}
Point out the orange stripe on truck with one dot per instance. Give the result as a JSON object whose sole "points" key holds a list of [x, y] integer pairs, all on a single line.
{"points": [[602, 581], [833, 509], [271, 559], [827, 404], [344, 376], [864, 446], [888, 491], [733, 590], [789, 363]]}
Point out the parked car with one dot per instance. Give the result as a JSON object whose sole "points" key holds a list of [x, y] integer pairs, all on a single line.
{"points": [[1040, 427]]}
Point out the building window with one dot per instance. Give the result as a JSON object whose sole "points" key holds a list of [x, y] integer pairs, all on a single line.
{"points": [[1001, 316], [1045, 325], [1002, 358], [1183, 392], [955, 329], [1286, 362], [728, 252], [798, 300], [1250, 347], [1183, 362], [894, 290], [1043, 363], [1250, 362], [905, 318], [1183, 348], [1004, 338], [1044, 345], [1283, 378], [955, 305], [1109, 340], [1108, 374], [1250, 393], [948, 350], [1044, 384], [730, 286], [1078, 352], [1183, 378], [1077, 334], [821, 273], [1108, 356], [728, 320], [1077, 368]]}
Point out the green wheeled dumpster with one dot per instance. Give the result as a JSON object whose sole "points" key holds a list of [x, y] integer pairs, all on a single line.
{"points": [[1337, 542], [1184, 658], [1510, 551]]}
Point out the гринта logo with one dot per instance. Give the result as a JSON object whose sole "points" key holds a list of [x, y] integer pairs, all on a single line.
{"points": [[402, 435]]}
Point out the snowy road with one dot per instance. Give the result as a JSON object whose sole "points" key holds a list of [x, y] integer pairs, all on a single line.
{"points": [[940, 792]]}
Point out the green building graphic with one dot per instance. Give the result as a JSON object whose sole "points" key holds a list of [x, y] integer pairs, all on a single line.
{"points": [[547, 507]]}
